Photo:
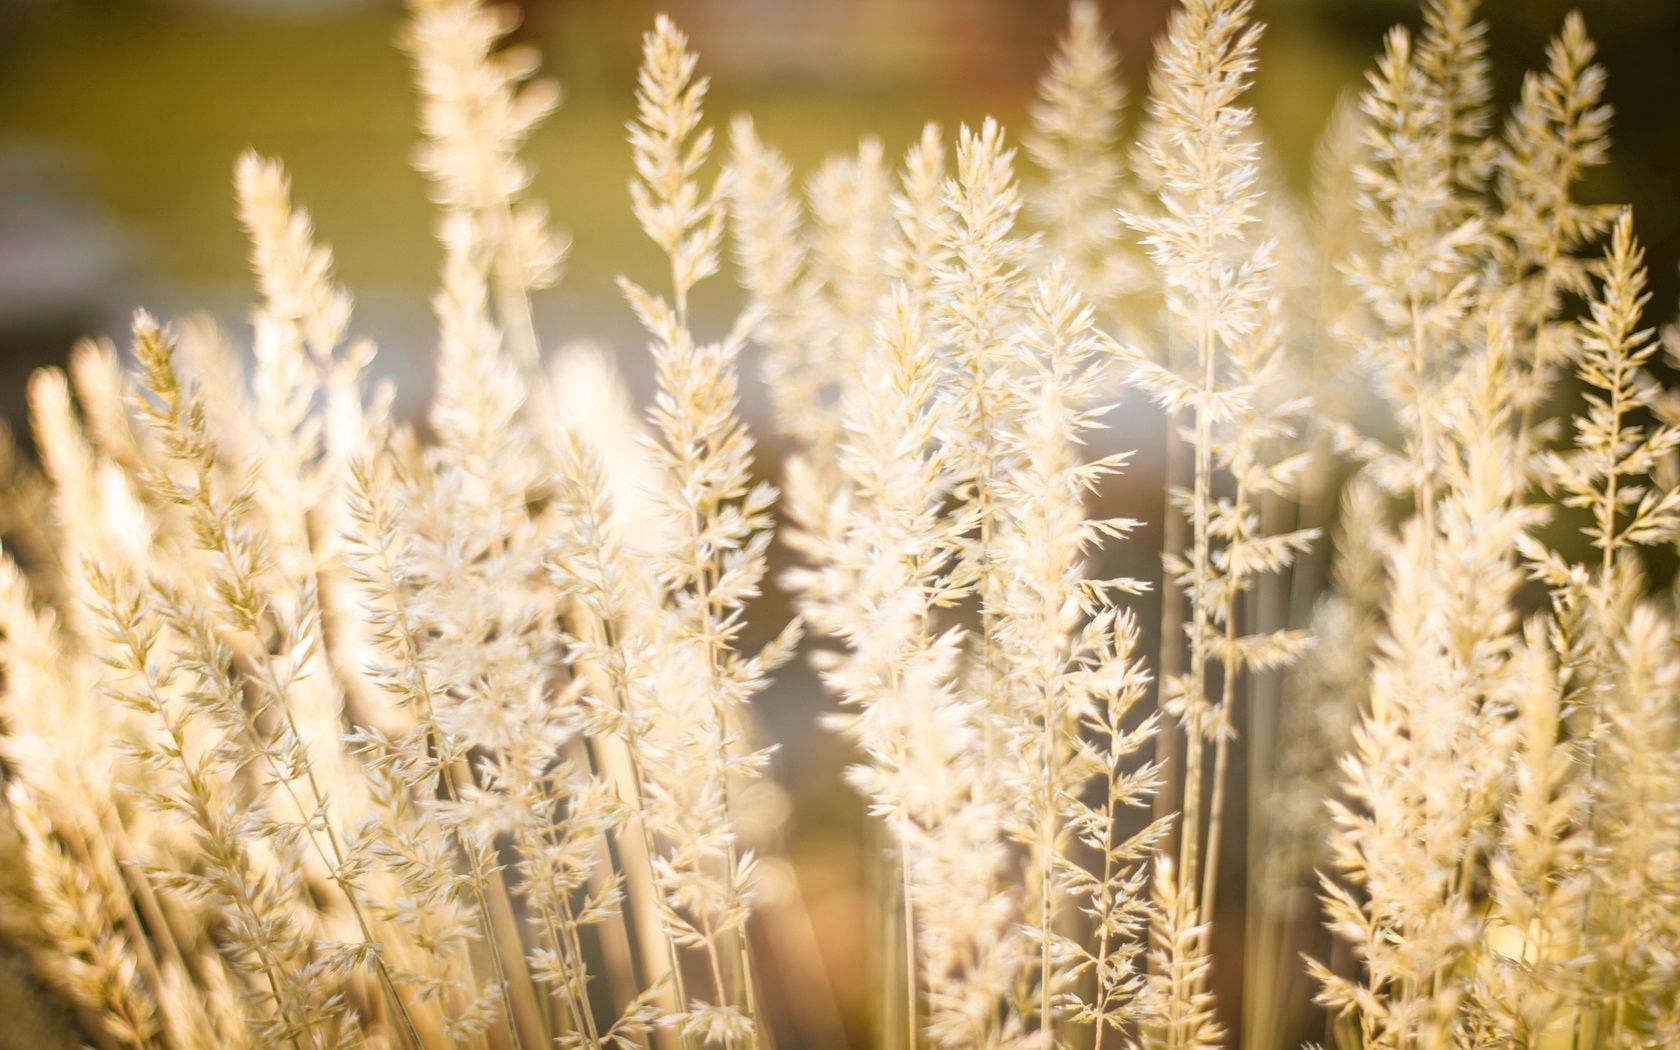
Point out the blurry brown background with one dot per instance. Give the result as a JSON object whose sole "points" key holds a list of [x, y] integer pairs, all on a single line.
{"points": [[120, 121]]}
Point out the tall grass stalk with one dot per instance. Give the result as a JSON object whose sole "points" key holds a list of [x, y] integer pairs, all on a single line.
{"points": [[322, 727]]}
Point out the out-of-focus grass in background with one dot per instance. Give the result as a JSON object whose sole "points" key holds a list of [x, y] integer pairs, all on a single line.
{"points": [[120, 121]]}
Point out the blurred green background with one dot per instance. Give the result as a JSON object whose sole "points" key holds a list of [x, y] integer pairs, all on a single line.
{"points": [[120, 121]]}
